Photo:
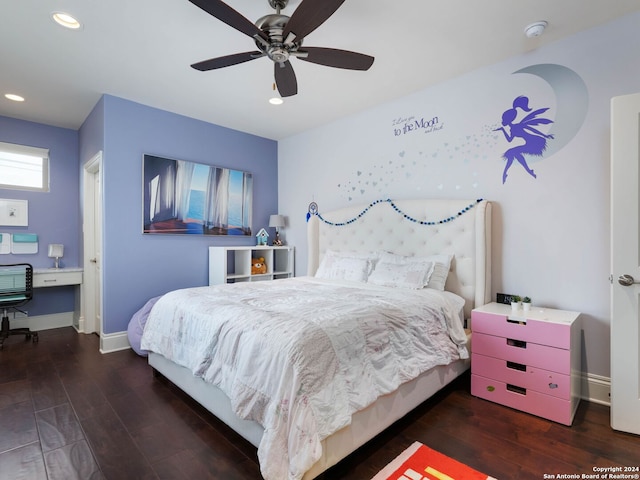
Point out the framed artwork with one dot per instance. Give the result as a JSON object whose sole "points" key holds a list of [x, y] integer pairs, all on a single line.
{"points": [[181, 197], [14, 213]]}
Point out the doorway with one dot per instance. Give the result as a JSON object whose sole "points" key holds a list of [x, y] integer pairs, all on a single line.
{"points": [[92, 241], [625, 263]]}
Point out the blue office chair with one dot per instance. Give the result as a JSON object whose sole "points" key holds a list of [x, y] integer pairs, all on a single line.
{"points": [[16, 289]]}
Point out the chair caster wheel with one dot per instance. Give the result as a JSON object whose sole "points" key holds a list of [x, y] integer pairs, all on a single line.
{"points": [[34, 338]]}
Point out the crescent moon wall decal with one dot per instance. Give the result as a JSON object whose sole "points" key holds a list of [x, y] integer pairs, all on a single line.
{"points": [[572, 103]]}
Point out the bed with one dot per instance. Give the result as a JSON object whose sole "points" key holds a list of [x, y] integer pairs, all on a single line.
{"points": [[455, 229]]}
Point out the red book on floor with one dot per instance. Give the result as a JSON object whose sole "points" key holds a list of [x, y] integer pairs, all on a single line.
{"points": [[419, 462]]}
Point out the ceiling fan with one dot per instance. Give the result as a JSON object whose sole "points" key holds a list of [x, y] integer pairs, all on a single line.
{"points": [[279, 37]]}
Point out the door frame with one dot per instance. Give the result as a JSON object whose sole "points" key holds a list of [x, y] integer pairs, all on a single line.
{"points": [[91, 277]]}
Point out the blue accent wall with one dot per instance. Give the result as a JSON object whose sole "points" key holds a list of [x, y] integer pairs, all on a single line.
{"points": [[137, 267], [55, 215]]}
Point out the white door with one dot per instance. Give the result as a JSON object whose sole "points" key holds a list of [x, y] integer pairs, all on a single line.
{"points": [[625, 263], [92, 231]]}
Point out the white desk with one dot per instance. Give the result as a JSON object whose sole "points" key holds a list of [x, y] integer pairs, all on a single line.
{"points": [[54, 277]]}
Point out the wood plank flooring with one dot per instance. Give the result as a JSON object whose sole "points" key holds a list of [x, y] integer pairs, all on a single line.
{"points": [[69, 412]]}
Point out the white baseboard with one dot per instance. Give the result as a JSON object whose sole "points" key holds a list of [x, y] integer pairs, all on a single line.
{"points": [[596, 388], [80, 325], [43, 322], [109, 342], [113, 342]]}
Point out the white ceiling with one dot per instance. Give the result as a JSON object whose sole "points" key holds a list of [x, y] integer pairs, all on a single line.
{"points": [[141, 50]]}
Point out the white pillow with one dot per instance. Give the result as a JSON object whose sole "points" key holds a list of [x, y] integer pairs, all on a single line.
{"points": [[440, 272], [401, 275], [330, 255], [389, 257], [345, 266], [442, 264]]}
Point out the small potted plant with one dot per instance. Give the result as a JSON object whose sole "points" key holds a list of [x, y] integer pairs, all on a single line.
{"points": [[515, 302], [526, 303]]}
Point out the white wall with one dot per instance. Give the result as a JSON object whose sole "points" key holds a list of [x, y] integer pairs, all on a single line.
{"points": [[551, 233]]}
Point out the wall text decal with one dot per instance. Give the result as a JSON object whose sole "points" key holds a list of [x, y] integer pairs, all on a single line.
{"points": [[403, 126]]}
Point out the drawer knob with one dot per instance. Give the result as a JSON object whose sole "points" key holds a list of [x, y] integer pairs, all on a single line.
{"points": [[490, 388], [553, 385]]}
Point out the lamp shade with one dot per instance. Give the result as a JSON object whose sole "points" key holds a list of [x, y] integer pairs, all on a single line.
{"points": [[276, 221], [56, 250]]}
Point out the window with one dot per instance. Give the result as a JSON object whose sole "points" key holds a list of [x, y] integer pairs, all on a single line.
{"points": [[24, 168]]}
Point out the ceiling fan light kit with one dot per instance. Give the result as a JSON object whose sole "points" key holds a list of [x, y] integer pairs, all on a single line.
{"points": [[279, 37], [275, 99]]}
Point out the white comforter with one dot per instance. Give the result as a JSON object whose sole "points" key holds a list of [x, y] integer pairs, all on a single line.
{"points": [[301, 355]]}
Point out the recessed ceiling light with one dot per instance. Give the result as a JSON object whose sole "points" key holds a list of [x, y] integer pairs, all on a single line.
{"points": [[66, 20], [14, 97]]}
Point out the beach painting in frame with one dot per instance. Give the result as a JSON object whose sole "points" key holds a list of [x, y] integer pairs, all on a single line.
{"points": [[181, 197]]}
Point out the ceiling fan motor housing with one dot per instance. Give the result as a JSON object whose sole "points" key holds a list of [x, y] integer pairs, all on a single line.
{"points": [[273, 25]]}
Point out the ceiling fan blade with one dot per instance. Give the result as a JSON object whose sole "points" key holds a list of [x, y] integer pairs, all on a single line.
{"points": [[332, 57], [228, 15], [285, 79], [226, 61], [309, 15]]}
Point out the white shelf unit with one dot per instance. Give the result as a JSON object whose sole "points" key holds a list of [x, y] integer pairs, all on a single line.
{"points": [[233, 264]]}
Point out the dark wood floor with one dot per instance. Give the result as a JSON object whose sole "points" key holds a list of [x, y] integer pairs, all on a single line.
{"points": [[68, 412]]}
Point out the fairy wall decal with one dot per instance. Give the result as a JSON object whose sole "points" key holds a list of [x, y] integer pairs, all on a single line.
{"points": [[535, 142]]}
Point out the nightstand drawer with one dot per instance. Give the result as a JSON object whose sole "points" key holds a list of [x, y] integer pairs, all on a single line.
{"points": [[531, 378], [527, 400], [527, 353], [521, 328]]}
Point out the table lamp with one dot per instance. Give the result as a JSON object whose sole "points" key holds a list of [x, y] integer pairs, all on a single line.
{"points": [[56, 251], [277, 221]]}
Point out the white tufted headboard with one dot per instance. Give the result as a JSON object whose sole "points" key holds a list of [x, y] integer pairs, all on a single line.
{"points": [[395, 227]]}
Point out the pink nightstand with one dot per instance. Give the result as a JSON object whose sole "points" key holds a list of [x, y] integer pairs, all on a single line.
{"points": [[527, 360]]}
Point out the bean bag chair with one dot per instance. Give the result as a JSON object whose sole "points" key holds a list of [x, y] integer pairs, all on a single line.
{"points": [[136, 326]]}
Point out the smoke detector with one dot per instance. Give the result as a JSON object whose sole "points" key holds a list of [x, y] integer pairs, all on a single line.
{"points": [[535, 29]]}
